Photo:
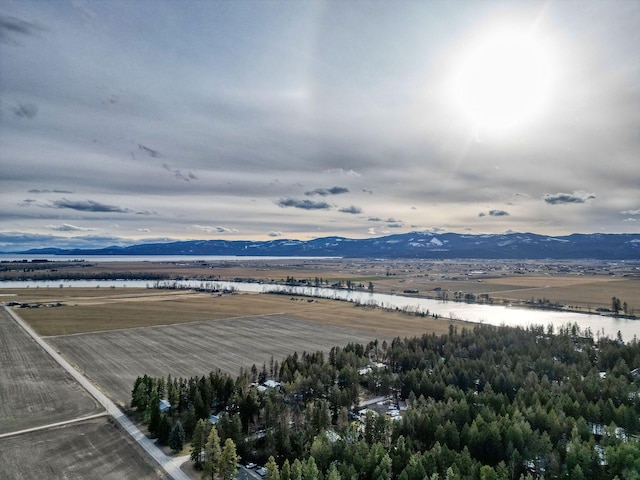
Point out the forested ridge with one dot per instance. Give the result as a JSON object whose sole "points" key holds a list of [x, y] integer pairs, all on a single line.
{"points": [[483, 403]]}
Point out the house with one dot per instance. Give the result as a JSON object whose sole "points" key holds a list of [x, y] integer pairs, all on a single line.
{"points": [[271, 384], [266, 385], [369, 368]]}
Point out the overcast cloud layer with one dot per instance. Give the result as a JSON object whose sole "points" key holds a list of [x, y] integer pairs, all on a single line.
{"points": [[123, 121]]}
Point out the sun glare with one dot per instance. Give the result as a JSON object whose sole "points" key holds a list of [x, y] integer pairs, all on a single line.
{"points": [[502, 82]]}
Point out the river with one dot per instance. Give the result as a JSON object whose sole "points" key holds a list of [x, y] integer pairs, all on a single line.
{"points": [[471, 312]]}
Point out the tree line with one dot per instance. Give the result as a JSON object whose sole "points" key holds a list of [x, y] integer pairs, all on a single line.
{"points": [[486, 402]]}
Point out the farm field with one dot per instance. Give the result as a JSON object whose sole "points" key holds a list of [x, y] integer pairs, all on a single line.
{"points": [[130, 308], [114, 359], [34, 389], [94, 449], [587, 292]]}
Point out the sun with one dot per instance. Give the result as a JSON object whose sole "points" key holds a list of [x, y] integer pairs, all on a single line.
{"points": [[503, 81]]}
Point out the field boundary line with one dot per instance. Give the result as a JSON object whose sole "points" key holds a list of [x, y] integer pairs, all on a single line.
{"points": [[53, 425], [165, 461]]}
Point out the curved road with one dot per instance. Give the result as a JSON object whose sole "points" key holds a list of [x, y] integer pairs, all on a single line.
{"points": [[170, 465]]}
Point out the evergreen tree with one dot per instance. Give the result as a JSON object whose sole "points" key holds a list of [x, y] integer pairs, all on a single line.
{"points": [[321, 451], [137, 394], [190, 421], [273, 472], [333, 473], [228, 460], [400, 455], [285, 472], [173, 394], [164, 429], [624, 460], [198, 441], [154, 415], [310, 470], [212, 453], [177, 437], [383, 469], [201, 409], [296, 470]]}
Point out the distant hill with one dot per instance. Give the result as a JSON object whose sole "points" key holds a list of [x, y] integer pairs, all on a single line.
{"points": [[408, 245]]}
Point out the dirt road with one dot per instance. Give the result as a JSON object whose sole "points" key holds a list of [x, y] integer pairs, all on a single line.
{"points": [[167, 463]]}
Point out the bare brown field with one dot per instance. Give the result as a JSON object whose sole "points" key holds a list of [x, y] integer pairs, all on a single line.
{"points": [[94, 449], [114, 359], [82, 295], [34, 389], [586, 292], [133, 308]]}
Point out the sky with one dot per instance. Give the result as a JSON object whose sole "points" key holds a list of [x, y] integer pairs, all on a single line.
{"points": [[126, 122]]}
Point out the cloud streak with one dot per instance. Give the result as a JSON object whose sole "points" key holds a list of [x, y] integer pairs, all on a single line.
{"points": [[302, 204], [149, 151], [498, 213], [35, 190], [26, 110], [216, 229], [66, 227], [323, 192], [352, 210], [87, 206], [12, 27], [567, 198], [342, 171]]}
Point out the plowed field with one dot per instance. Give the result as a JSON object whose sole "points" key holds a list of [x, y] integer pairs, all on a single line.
{"points": [[34, 389], [94, 449]]}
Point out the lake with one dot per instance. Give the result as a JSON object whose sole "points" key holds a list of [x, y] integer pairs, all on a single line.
{"points": [[471, 312]]}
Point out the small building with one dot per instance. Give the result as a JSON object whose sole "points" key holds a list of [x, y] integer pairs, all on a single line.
{"points": [[164, 406], [266, 385], [271, 384]]}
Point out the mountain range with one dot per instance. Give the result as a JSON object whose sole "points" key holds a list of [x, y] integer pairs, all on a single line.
{"points": [[426, 245]]}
